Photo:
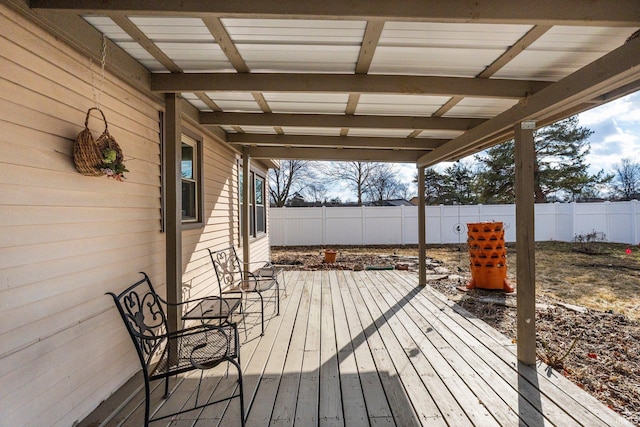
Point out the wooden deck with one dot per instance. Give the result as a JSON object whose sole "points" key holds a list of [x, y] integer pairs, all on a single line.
{"points": [[372, 348]]}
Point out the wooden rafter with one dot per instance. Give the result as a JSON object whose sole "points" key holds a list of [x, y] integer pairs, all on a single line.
{"points": [[338, 121], [345, 83], [372, 142], [335, 154], [227, 46]]}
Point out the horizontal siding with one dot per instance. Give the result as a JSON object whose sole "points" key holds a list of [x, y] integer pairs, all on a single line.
{"points": [[67, 239]]}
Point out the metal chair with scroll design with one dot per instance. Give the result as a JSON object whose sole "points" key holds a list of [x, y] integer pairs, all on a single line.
{"points": [[233, 280], [165, 353]]}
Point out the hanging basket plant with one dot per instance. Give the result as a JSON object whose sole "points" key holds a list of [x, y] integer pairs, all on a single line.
{"points": [[97, 157]]}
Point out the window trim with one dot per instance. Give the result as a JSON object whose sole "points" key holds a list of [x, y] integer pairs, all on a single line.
{"points": [[255, 174], [196, 143]]}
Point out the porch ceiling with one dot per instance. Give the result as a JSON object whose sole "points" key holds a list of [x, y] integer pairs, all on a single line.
{"points": [[419, 81]]}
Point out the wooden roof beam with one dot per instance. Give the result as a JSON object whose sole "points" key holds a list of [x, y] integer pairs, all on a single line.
{"points": [[533, 12], [338, 121], [335, 154], [252, 139], [345, 83]]}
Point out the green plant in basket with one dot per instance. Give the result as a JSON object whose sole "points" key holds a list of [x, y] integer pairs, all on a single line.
{"points": [[111, 167]]}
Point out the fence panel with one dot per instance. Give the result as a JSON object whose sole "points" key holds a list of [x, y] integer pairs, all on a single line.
{"points": [[619, 221]]}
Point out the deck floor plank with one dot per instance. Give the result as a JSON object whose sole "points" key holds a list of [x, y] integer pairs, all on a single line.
{"points": [[330, 410], [375, 399], [371, 348], [353, 402], [264, 399], [453, 394], [395, 370]]}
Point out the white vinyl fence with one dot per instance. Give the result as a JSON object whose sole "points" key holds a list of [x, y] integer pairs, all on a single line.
{"points": [[398, 225]]}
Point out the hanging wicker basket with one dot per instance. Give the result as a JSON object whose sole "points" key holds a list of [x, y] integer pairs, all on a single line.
{"points": [[97, 157]]}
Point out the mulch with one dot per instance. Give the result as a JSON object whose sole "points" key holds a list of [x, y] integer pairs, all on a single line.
{"points": [[598, 351]]}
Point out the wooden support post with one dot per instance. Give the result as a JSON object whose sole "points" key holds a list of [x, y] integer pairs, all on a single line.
{"points": [[246, 208], [525, 242], [172, 156], [422, 228]]}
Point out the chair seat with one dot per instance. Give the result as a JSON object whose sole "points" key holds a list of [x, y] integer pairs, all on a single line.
{"points": [[261, 283], [200, 347], [213, 308]]}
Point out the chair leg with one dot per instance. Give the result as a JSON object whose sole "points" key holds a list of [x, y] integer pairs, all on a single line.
{"points": [[147, 404], [166, 387], [261, 312], [277, 297]]}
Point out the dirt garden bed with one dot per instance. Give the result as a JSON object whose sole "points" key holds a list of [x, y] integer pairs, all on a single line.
{"points": [[588, 305]]}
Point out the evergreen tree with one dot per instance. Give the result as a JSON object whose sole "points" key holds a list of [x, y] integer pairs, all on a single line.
{"points": [[459, 185], [560, 168]]}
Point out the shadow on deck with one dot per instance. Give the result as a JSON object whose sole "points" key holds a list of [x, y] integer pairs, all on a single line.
{"points": [[372, 348]]}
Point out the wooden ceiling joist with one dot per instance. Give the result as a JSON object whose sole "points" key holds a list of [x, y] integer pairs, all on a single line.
{"points": [[349, 83], [251, 139], [338, 121], [335, 154], [565, 12]]}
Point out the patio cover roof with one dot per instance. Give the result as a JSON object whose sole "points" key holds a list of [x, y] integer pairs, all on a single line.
{"points": [[419, 81]]}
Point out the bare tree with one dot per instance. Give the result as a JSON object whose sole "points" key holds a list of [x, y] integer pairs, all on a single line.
{"points": [[316, 191], [384, 184], [626, 179], [357, 175], [292, 177]]}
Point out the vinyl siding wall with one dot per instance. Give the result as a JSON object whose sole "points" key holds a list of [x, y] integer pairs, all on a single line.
{"points": [[66, 239]]}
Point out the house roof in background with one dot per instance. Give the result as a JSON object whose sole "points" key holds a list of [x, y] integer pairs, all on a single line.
{"points": [[412, 81]]}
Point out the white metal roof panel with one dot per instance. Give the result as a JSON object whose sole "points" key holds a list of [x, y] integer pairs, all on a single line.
{"points": [[287, 45], [235, 101], [480, 107], [397, 105], [288, 31], [190, 57], [159, 29], [142, 56], [563, 50], [259, 129], [448, 62], [195, 101], [458, 50], [299, 58], [392, 133], [299, 130], [106, 26], [440, 133], [290, 102], [451, 35]]}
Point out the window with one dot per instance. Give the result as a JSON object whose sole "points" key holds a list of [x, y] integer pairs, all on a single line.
{"points": [[257, 210], [261, 219], [190, 168]]}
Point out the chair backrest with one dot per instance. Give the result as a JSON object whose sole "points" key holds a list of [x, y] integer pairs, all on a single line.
{"points": [[143, 314], [227, 267]]}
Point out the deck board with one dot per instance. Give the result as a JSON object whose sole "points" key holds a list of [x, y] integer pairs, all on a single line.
{"points": [[373, 348]]}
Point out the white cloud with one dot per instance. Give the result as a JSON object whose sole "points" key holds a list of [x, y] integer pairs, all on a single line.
{"points": [[624, 110]]}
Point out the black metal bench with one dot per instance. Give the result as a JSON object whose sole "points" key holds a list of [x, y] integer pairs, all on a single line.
{"points": [[233, 280], [165, 353]]}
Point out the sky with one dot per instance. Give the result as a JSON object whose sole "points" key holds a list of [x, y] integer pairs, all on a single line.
{"points": [[616, 136]]}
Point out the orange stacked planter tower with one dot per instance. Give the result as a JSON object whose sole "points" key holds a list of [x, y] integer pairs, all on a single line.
{"points": [[488, 256]]}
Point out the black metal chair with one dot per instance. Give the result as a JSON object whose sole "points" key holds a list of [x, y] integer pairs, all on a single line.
{"points": [[233, 280], [164, 353]]}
